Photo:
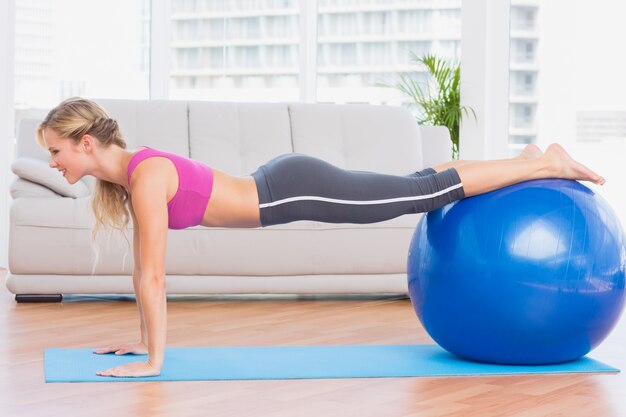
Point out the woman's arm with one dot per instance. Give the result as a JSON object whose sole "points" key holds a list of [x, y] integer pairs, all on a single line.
{"points": [[137, 276], [149, 202], [141, 347]]}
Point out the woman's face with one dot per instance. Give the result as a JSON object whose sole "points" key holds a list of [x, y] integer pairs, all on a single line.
{"points": [[65, 155]]}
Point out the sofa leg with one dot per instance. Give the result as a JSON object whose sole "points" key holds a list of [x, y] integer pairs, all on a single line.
{"points": [[38, 298]]}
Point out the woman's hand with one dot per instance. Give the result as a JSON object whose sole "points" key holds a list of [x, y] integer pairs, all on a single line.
{"points": [[133, 369], [123, 349]]}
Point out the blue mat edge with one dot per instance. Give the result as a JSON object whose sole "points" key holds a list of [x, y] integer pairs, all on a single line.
{"points": [[584, 365]]}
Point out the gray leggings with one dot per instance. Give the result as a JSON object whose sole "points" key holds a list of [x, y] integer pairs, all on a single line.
{"points": [[298, 187]]}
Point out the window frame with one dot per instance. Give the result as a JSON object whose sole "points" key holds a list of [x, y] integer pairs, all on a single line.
{"points": [[485, 36]]}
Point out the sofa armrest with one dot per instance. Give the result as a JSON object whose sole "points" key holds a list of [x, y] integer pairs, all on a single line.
{"points": [[39, 172], [21, 188], [436, 145]]}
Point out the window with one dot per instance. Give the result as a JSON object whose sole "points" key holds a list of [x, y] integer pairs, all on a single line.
{"points": [[523, 83], [415, 22], [362, 45], [250, 50], [227, 49], [111, 63], [376, 23], [246, 50], [523, 17]]}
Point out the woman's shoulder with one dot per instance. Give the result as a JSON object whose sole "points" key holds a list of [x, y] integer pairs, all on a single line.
{"points": [[146, 162]]}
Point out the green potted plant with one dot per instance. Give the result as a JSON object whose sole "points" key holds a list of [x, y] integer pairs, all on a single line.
{"points": [[440, 102]]}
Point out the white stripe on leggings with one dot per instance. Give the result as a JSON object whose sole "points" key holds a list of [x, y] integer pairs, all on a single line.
{"points": [[359, 202]]}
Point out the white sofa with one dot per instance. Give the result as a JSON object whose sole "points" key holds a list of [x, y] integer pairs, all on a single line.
{"points": [[50, 253]]}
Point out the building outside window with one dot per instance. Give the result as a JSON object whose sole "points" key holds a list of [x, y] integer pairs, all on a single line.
{"points": [[360, 44]]}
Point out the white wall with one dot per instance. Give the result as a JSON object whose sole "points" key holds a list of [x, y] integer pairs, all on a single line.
{"points": [[582, 67], [7, 9], [581, 63]]}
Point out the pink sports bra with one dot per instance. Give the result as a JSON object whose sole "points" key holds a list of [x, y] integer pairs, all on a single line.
{"points": [[195, 183]]}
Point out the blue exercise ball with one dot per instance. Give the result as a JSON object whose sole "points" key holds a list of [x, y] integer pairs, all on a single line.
{"points": [[529, 274]]}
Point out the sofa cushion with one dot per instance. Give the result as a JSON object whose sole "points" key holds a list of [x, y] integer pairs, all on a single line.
{"points": [[160, 124], [301, 248], [358, 137], [238, 137], [21, 188], [39, 172]]}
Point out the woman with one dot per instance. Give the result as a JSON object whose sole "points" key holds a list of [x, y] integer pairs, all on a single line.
{"points": [[162, 191]]}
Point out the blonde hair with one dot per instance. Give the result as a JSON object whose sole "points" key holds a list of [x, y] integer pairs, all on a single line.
{"points": [[72, 119]]}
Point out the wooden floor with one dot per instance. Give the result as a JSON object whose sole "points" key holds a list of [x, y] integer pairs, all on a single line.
{"points": [[27, 329]]}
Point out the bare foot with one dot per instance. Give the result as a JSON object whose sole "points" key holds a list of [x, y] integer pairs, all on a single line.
{"points": [[531, 151], [565, 166]]}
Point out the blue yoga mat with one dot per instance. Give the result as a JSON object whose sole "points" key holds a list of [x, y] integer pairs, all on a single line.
{"points": [[294, 362]]}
